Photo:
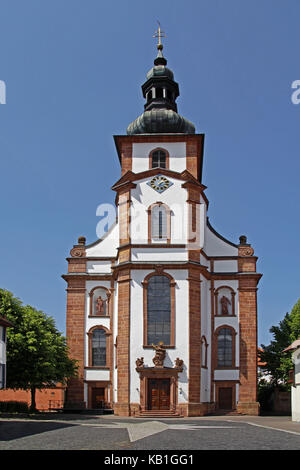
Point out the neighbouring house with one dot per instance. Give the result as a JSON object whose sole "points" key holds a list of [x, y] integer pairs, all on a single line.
{"points": [[294, 348], [262, 374], [46, 399], [4, 324]]}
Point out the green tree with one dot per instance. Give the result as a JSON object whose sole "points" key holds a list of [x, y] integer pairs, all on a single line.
{"points": [[278, 364], [37, 353]]}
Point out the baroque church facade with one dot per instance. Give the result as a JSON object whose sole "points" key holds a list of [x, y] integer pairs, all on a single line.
{"points": [[162, 311]]}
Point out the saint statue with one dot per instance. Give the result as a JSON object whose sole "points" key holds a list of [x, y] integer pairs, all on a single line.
{"points": [[160, 354], [100, 306], [224, 305]]}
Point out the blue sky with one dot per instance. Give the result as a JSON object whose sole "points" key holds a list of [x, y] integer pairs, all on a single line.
{"points": [[73, 71]]}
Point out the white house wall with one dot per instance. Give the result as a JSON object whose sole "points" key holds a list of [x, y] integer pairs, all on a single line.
{"points": [[2, 347]]}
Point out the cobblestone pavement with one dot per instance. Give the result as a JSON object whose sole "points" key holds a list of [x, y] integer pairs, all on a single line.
{"points": [[83, 432]]}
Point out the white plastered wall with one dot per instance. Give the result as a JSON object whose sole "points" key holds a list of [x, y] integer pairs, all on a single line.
{"points": [[295, 390], [174, 197], [181, 332], [2, 347], [141, 151], [107, 246], [205, 331], [90, 322], [230, 374], [215, 246]]}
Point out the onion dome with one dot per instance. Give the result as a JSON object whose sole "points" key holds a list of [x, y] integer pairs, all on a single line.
{"points": [[160, 91]]}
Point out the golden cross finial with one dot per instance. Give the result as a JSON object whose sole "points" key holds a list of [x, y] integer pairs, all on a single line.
{"points": [[159, 34]]}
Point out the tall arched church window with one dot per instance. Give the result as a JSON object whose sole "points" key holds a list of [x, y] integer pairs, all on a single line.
{"points": [[159, 223], [225, 347], [99, 348], [159, 310]]}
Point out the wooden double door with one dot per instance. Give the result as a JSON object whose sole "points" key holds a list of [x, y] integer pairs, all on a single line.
{"points": [[98, 397], [158, 394], [225, 398]]}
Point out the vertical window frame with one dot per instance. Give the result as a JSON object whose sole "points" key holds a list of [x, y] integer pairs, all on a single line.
{"points": [[233, 348], [166, 239], [160, 149], [145, 285], [108, 347]]}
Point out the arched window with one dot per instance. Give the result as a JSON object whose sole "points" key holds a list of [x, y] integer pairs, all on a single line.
{"points": [[159, 223], [225, 347], [159, 310], [159, 159], [98, 347]]}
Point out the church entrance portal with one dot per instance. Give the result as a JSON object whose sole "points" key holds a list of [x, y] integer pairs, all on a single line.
{"points": [[158, 394], [225, 398], [98, 398]]}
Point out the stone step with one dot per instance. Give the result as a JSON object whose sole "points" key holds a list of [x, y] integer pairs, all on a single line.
{"points": [[159, 414]]}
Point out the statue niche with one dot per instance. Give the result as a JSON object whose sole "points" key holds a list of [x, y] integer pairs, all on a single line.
{"points": [[99, 302]]}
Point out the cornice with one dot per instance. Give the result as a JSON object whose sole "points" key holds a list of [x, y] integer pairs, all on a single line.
{"points": [[129, 177], [136, 138]]}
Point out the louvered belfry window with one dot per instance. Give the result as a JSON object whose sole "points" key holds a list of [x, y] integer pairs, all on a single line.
{"points": [[159, 222], [159, 159], [159, 310]]}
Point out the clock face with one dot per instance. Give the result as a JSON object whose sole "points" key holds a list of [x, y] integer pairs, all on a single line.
{"points": [[159, 183]]}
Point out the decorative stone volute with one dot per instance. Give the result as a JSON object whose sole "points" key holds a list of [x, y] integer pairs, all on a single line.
{"points": [[78, 250], [245, 248]]}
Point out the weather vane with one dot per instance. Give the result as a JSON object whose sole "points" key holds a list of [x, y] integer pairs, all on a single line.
{"points": [[159, 34]]}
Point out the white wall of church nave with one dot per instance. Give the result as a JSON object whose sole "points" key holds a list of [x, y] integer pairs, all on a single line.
{"points": [[103, 267], [225, 266], [205, 331], [215, 246], [227, 374], [231, 321], [108, 243], [159, 254], [174, 197], [141, 151], [90, 322], [181, 332]]}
